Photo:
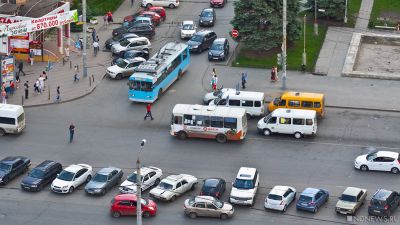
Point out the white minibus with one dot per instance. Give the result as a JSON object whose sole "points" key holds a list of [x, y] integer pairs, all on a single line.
{"points": [[12, 119], [252, 102], [298, 122]]}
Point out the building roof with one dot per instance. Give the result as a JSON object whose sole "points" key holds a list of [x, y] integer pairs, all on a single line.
{"points": [[31, 8]]}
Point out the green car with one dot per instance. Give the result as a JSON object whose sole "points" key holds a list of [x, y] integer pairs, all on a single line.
{"points": [[351, 200]]}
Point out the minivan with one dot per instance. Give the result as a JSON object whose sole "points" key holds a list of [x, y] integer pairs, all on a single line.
{"points": [[12, 119], [383, 203], [298, 122], [219, 49], [41, 175], [299, 100], [202, 40], [252, 102]]}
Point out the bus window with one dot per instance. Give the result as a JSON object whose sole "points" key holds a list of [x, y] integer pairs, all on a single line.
{"points": [[283, 120], [257, 104], [188, 120], [297, 121], [217, 121], [230, 123], [294, 103], [178, 120], [234, 102], [272, 120], [317, 105], [203, 121], [309, 122], [140, 85], [247, 103], [306, 104]]}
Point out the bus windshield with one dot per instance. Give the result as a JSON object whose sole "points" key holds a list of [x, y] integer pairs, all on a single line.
{"points": [[140, 85]]}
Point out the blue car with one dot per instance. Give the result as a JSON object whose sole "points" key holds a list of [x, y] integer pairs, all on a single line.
{"points": [[311, 199]]}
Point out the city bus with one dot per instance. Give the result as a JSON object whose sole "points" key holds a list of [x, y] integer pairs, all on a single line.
{"points": [[213, 122], [299, 100], [152, 78]]}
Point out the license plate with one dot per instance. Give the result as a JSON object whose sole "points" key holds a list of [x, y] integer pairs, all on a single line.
{"points": [[304, 204], [215, 58], [342, 212], [377, 211]]}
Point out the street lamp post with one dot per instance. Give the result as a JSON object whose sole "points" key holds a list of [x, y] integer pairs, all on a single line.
{"points": [[315, 19], [345, 13], [304, 43], [84, 38], [284, 47], [139, 187]]}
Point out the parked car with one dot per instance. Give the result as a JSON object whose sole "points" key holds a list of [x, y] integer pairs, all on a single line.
{"points": [[351, 200], [125, 205], [71, 178], [132, 17], [207, 206], [280, 197], [139, 43], [142, 30], [383, 203], [218, 3], [213, 187], [124, 67], [159, 10], [104, 180], [12, 166], [210, 96], [173, 186], [202, 40], [207, 17], [130, 55], [245, 186], [155, 18], [151, 177], [219, 49], [311, 199], [379, 160], [117, 39], [164, 3], [41, 175], [188, 29]]}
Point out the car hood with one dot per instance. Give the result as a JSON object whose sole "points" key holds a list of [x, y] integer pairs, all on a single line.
{"points": [[3, 173], [227, 207], [115, 69], [160, 192], [206, 18], [129, 185], [193, 43], [30, 180], [242, 193], [61, 183], [361, 158], [346, 204], [94, 185], [188, 31], [216, 52]]}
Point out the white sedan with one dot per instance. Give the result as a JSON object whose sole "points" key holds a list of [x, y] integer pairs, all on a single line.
{"points": [[188, 29], [151, 176], [379, 160], [72, 177], [280, 197], [173, 186]]}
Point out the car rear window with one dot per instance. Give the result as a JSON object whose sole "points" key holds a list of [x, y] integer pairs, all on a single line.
{"points": [[376, 202], [304, 198], [274, 197]]}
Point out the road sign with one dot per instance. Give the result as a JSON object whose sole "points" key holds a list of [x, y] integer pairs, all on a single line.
{"points": [[235, 33]]}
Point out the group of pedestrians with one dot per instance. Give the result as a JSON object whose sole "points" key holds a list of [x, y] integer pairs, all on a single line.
{"points": [[96, 40]]}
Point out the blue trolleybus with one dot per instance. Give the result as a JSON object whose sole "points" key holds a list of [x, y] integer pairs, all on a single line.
{"points": [[154, 76]]}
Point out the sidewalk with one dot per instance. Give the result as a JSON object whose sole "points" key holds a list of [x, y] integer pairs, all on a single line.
{"points": [[62, 75]]}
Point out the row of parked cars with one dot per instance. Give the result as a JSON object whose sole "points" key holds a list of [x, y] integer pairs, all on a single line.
{"points": [[207, 203]]}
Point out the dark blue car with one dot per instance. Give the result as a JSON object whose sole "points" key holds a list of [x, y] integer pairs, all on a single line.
{"points": [[41, 175], [311, 199]]}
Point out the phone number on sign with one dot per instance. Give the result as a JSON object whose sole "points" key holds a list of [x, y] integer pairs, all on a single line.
{"points": [[48, 24]]}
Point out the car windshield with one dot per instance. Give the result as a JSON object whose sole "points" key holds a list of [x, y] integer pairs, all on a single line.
{"points": [[243, 184], [5, 167], [348, 198], [371, 156], [188, 27], [304, 198], [100, 178], [35, 173], [217, 47], [132, 178], [117, 38], [65, 175], [140, 85], [274, 197], [197, 38], [121, 63], [165, 186], [144, 201], [125, 43], [206, 14], [219, 204]]}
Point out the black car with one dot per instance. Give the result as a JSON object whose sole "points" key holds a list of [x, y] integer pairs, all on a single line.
{"points": [[201, 40], [117, 39], [207, 17], [13, 166], [132, 54], [219, 49], [41, 175], [213, 187], [142, 30], [383, 203]]}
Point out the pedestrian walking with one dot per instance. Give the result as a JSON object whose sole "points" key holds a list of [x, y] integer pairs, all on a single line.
{"points": [[274, 74], [44, 75], [76, 77], [110, 17], [41, 83], [244, 80], [21, 68], [4, 96], [17, 80], [214, 82], [94, 34], [36, 89], [67, 53], [12, 87], [58, 95], [148, 112], [71, 132], [26, 86], [31, 57], [81, 43], [96, 47]]}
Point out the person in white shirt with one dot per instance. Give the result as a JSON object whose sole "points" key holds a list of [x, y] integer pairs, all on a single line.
{"points": [[41, 83], [96, 47]]}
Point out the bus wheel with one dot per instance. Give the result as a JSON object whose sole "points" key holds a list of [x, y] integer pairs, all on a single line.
{"points": [[297, 135], [2, 132], [182, 135], [159, 93], [221, 138], [180, 74]]}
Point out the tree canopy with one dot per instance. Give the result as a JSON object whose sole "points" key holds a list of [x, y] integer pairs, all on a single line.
{"points": [[334, 9]]}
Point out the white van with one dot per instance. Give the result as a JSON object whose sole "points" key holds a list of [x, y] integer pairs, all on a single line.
{"points": [[299, 122], [252, 102], [12, 119]]}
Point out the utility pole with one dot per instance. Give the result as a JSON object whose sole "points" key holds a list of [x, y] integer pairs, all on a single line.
{"points": [[304, 44], [315, 19], [345, 13], [84, 38], [139, 187], [284, 47]]}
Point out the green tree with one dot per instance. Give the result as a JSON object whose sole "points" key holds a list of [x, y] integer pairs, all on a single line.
{"points": [[259, 22], [334, 9]]}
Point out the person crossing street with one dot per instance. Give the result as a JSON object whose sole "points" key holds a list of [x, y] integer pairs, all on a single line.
{"points": [[148, 112]]}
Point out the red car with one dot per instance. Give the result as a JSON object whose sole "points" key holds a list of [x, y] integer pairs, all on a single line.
{"points": [[159, 10], [155, 18], [217, 3], [125, 205]]}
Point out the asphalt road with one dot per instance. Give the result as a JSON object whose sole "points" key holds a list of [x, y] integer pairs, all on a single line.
{"points": [[109, 129]]}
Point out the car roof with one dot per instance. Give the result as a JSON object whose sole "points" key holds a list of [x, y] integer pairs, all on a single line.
{"points": [[107, 170], [244, 95], [137, 39], [381, 194], [387, 154], [174, 178], [45, 164], [279, 190], [203, 32], [142, 18], [294, 113], [125, 197], [136, 59], [204, 198], [246, 173], [220, 40], [73, 168], [208, 10], [352, 191], [12, 159], [310, 191]]}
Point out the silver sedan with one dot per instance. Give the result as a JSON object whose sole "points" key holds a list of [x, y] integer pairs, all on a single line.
{"points": [[104, 180]]}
